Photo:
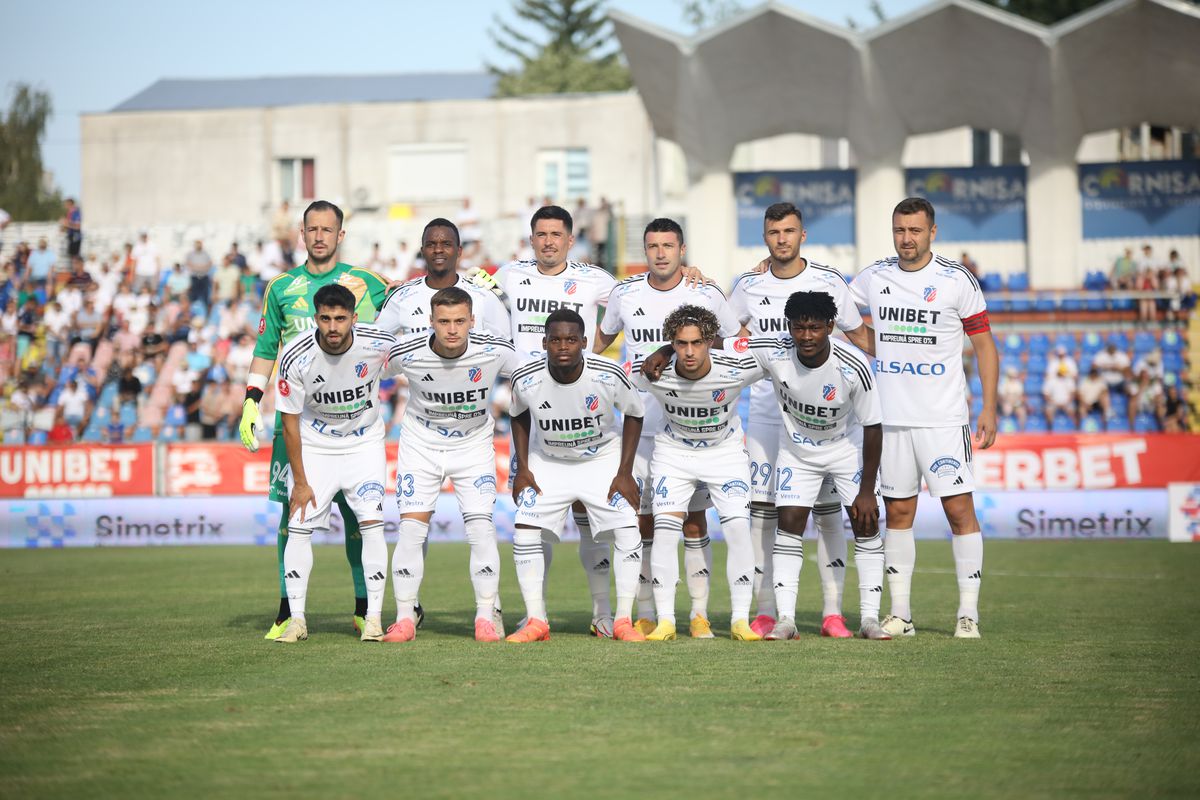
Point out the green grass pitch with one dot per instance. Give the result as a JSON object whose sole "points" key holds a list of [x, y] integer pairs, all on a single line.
{"points": [[143, 673]]}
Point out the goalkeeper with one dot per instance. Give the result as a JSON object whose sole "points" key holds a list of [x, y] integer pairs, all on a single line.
{"points": [[287, 311]]}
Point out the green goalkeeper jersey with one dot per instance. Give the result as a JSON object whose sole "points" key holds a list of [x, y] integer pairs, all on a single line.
{"points": [[288, 303]]}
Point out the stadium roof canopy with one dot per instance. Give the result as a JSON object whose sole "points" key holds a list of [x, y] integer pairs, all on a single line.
{"points": [[774, 70], [179, 94]]}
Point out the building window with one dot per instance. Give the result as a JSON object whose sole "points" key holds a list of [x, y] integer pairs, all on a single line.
{"points": [[428, 172], [564, 174], [297, 179]]}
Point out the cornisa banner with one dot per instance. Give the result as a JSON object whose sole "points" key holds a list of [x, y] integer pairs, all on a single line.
{"points": [[1140, 198], [973, 204], [825, 198]]}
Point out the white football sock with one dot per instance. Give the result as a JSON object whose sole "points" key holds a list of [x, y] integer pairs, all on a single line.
{"points": [[739, 566], [668, 530], [484, 563], [788, 557], [528, 559], [900, 557], [627, 564], [831, 558], [596, 560], [297, 565], [645, 592], [868, 560], [968, 565], [408, 566], [764, 518], [374, 561], [697, 565], [547, 557]]}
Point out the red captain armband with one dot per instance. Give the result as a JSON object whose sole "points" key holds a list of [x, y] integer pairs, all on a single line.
{"points": [[976, 324]]}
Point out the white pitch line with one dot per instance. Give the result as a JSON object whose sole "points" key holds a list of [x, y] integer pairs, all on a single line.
{"points": [[1067, 575]]}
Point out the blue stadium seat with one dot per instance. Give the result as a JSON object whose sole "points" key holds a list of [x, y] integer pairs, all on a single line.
{"points": [[129, 415], [198, 362], [1021, 306], [1072, 303], [1118, 338], [101, 415], [52, 400], [142, 434], [169, 434], [1085, 362], [1143, 342], [1092, 343], [38, 437], [1011, 360], [1092, 423], [1119, 403], [92, 432], [1171, 340], [975, 385], [976, 405], [1036, 423], [1036, 363], [1018, 282], [1096, 304], [999, 305], [991, 282], [1145, 423], [14, 436], [1045, 303], [176, 415], [108, 394], [1039, 343], [1173, 361], [1118, 424], [1067, 340], [1013, 344], [1062, 424], [1008, 424], [1034, 381], [1037, 403], [1123, 304]]}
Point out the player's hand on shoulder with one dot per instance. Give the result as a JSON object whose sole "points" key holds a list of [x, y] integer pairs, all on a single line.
{"points": [[625, 485], [302, 497], [524, 480], [761, 266]]}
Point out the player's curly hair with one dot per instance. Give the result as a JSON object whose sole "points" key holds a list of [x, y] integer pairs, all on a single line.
{"points": [[686, 315], [810, 305]]}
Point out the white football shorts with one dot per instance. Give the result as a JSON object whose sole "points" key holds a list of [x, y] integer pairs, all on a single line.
{"points": [[359, 474], [800, 478], [562, 483], [421, 470], [676, 471], [700, 499], [941, 456]]}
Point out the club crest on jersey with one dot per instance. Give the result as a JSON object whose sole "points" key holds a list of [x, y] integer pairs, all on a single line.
{"points": [[591, 402], [475, 374], [262, 325], [571, 286], [718, 395], [360, 369], [741, 345], [930, 294], [829, 391], [284, 389], [628, 367]]}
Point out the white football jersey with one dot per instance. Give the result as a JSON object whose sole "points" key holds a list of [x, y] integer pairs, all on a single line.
{"points": [[582, 288], [337, 397], [819, 405], [638, 310], [920, 319], [758, 300], [406, 310], [702, 412], [449, 398], [575, 421]]}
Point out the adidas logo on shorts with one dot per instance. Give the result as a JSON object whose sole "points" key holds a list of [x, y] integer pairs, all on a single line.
{"points": [[958, 481]]}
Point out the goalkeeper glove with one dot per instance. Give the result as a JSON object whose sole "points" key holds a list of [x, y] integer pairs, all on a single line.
{"points": [[249, 423]]}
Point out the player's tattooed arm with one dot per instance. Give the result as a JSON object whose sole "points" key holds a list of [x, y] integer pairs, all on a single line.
{"points": [[302, 493], [524, 479], [863, 337], [624, 483], [864, 512], [988, 362]]}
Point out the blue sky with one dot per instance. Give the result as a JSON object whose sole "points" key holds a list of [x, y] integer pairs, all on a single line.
{"points": [[90, 56]]}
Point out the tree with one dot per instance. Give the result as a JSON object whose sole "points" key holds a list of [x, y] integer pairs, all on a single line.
{"points": [[701, 14], [572, 54], [23, 192]]}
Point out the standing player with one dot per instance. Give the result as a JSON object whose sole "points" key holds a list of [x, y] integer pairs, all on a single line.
{"points": [[565, 435], [534, 289], [758, 299], [922, 304], [329, 399], [406, 310], [825, 390], [447, 433], [287, 312], [699, 443], [638, 307]]}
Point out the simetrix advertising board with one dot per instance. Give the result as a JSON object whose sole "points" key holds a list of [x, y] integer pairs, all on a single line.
{"points": [[79, 471], [1087, 461]]}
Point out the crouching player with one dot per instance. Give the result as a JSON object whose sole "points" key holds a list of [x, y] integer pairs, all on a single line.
{"points": [[565, 435], [818, 382], [328, 395], [700, 442], [447, 433]]}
